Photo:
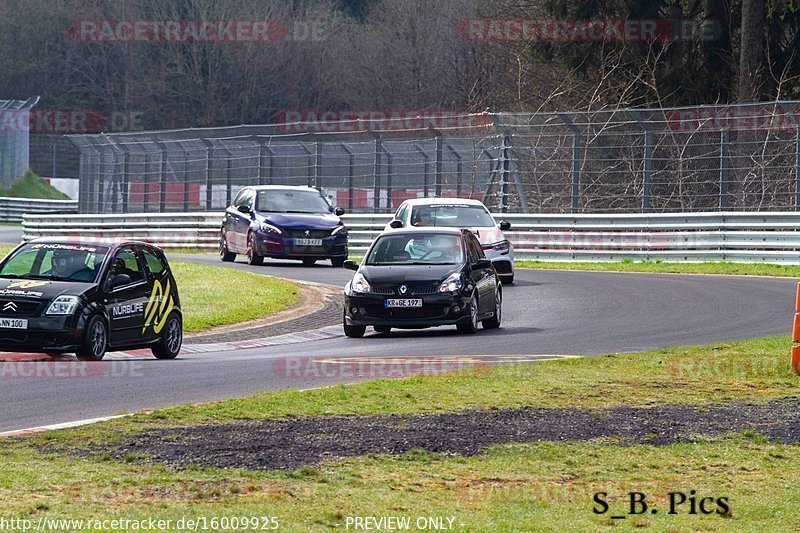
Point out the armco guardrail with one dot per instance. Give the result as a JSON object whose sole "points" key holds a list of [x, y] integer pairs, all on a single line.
{"points": [[12, 209], [772, 237]]}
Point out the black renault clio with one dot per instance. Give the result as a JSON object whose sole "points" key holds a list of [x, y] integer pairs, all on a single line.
{"points": [[64, 296], [418, 278]]}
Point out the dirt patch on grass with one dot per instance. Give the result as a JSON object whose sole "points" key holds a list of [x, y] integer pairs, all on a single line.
{"points": [[292, 443]]}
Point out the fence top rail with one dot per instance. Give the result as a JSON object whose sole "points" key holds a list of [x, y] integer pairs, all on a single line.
{"points": [[12, 199]]}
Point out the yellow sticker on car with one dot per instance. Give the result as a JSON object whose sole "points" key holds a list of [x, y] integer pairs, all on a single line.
{"points": [[159, 306]]}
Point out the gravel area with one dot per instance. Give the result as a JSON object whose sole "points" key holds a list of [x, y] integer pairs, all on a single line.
{"points": [[291, 443]]}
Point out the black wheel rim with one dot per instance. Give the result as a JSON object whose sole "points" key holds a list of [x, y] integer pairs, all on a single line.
{"points": [[98, 338], [174, 336]]}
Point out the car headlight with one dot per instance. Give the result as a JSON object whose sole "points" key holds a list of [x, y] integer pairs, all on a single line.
{"points": [[339, 230], [63, 305], [452, 283], [360, 284], [503, 247], [269, 228]]}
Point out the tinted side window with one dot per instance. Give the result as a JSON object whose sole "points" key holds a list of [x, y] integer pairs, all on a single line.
{"points": [[154, 263], [474, 251], [125, 262]]}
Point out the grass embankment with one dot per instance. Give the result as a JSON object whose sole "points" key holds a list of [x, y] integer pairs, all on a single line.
{"points": [[530, 486], [29, 185], [214, 296]]}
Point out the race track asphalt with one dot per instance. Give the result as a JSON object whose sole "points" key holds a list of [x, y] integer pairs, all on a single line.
{"points": [[545, 312]]}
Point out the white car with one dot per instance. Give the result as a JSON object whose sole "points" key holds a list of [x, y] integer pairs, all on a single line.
{"points": [[465, 214]]}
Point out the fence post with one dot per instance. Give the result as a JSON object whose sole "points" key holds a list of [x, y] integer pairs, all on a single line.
{"points": [[724, 169], [186, 184], [209, 184], [308, 164], [459, 160], [576, 160], [262, 147], [126, 169], [162, 198], [797, 170], [376, 197], [351, 163], [647, 162], [317, 163], [437, 176], [426, 168]]}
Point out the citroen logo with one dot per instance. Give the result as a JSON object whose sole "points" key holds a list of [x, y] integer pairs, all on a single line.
{"points": [[10, 306], [403, 289]]}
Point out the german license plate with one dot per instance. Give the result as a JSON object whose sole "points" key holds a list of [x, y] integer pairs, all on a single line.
{"points": [[308, 242], [13, 323], [403, 302]]}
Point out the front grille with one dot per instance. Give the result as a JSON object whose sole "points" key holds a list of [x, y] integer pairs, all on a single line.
{"points": [[312, 233], [418, 291], [382, 290], [426, 311], [414, 290], [23, 308], [10, 335]]}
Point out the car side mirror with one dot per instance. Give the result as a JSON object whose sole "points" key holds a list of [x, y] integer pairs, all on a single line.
{"points": [[480, 264], [338, 211], [505, 225], [243, 209], [119, 280], [396, 224], [350, 265]]}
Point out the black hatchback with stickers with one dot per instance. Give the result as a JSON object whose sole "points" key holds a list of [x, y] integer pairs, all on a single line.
{"points": [[87, 298]]}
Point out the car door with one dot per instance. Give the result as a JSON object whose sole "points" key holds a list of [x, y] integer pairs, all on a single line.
{"points": [[125, 303], [484, 278], [238, 222]]}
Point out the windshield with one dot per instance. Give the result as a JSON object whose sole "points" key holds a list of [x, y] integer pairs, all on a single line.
{"points": [[288, 201], [61, 262], [451, 216], [414, 249]]}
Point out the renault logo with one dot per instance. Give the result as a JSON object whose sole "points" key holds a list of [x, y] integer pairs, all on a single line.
{"points": [[10, 306], [403, 289]]}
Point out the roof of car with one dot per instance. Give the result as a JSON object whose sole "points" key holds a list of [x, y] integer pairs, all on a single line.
{"points": [[444, 201], [427, 229], [282, 187], [111, 243]]}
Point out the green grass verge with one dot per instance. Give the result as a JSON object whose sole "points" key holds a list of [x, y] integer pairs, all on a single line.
{"points": [[29, 185], [243, 296], [742, 269], [533, 486]]}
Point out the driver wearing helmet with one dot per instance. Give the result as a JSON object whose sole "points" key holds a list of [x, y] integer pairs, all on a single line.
{"points": [[70, 264]]}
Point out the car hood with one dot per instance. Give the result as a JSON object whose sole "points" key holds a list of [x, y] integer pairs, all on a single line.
{"points": [[488, 235], [302, 220], [41, 289], [389, 275]]}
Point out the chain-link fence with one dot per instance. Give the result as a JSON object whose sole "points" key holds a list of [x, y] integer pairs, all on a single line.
{"points": [[14, 138], [648, 160]]}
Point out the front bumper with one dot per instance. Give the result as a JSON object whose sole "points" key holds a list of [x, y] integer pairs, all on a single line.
{"points": [[437, 310], [279, 246], [44, 334]]}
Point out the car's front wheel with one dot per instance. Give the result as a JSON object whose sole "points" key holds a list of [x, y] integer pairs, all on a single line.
{"points": [[472, 325], [95, 340], [252, 256], [169, 344], [355, 332]]}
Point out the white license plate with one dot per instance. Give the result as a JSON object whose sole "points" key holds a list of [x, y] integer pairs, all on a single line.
{"points": [[13, 323], [308, 242], [403, 302]]}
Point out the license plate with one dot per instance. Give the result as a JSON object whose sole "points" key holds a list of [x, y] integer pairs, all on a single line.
{"points": [[403, 302], [13, 323], [308, 242]]}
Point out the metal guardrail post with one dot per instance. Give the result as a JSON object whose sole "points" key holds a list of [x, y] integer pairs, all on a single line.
{"points": [[426, 168], [724, 168], [576, 160]]}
